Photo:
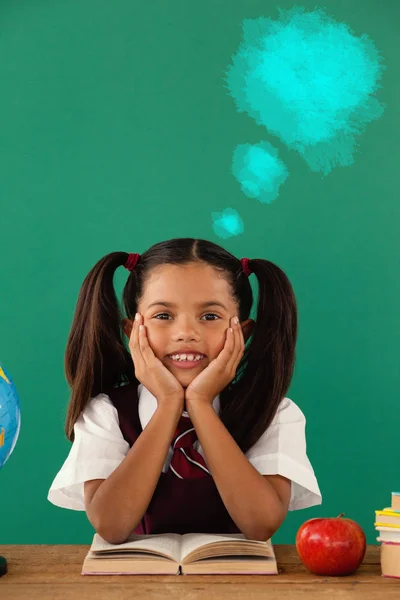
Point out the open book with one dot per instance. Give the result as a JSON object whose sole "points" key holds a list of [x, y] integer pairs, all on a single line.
{"points": [[173, 554]]}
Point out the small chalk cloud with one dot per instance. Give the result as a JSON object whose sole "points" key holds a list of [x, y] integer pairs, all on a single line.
{"points": [[259, 170], [227, 223], [310, 81]]}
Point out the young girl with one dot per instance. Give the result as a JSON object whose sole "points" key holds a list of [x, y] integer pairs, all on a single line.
{"points": [[190, 431]]}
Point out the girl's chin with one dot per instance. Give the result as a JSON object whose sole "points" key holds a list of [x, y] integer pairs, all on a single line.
{"points": [[185, 377]]}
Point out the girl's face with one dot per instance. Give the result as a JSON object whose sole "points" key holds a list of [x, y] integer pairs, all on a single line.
{"points": [[186, 306]]}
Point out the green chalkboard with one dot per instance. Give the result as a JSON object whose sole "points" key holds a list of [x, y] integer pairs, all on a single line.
{"points": [[117, 131]]}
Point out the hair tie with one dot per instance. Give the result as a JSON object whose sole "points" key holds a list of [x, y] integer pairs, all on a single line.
{"points": [[132, 261], [245, 266]]}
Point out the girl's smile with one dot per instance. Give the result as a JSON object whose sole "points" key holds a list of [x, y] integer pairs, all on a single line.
{"points": [[186, 364]]}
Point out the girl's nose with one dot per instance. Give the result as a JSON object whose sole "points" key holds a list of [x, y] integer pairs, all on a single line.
{"points": [[186, 329]]}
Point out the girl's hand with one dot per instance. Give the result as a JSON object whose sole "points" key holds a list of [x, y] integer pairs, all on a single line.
{"points": [[221, 371], [150, 371]]}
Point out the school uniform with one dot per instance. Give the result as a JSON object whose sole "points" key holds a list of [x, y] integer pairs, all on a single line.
{"points": [[109, 426]]}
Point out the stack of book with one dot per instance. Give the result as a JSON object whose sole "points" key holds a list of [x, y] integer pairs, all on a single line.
{"points": [[387, 523]]}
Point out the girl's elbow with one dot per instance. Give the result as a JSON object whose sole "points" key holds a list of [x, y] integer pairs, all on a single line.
{"points": [[110, 529], [114, 532], [112, 536], [265, 530], [261, 534]]}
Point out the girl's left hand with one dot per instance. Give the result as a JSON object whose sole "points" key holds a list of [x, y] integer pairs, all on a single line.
{"points": [[221, 371]]}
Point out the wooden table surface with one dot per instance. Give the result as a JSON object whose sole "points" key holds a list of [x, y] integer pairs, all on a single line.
{"points": [[53, 572]]}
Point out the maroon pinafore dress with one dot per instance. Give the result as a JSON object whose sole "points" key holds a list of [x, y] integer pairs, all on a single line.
{"points": [[178, 505]]}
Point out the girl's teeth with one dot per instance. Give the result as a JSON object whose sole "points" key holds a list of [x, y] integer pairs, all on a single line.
{"points": [[187, 357]]}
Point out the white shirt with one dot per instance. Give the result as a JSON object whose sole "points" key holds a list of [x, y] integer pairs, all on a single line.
{"points": [[99, 447]]}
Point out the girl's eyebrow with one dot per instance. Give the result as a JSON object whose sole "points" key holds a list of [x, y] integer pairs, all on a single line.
{"points": [[199, 304]]}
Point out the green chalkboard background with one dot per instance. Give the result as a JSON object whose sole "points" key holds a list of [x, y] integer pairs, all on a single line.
{"points": [[116, 132]]}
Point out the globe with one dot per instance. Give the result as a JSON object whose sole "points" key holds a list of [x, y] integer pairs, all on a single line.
{"points": [[10, 416], [10, 423]]}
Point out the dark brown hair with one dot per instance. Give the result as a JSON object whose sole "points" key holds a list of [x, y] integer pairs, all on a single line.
{"points": [[97, 360]]}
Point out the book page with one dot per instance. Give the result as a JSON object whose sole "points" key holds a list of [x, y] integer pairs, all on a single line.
{"points": [[165, 544], [192, 541]]}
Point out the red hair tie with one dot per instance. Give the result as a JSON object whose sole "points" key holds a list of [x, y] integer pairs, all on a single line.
{"points": [[245, 266], [132, 261]]}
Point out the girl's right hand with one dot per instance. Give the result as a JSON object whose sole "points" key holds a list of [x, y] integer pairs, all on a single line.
{"points": [[151, 372]]}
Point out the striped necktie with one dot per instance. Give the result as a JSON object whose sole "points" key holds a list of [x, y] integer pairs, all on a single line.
{"points": [[186, 462]]}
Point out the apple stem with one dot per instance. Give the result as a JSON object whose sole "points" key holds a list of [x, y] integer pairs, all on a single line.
{"points": [[341, 515]]}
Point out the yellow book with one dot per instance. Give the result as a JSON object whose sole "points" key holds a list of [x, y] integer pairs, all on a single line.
{"points": [[388, 511], [387, 517]]}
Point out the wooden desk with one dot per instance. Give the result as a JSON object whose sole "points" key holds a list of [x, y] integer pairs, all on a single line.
{"points": [[53, 572]]}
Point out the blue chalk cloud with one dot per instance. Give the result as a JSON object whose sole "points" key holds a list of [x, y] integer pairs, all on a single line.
{"points": [[227, 223], [259, 170], [310, 81]]}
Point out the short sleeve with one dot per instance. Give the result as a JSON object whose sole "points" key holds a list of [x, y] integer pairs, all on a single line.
{"points": [[281, 450], [97, 450]]}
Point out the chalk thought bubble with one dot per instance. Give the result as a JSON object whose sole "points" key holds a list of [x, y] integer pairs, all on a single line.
{"points": [[259, 170], [310, 81], [227, 223]]}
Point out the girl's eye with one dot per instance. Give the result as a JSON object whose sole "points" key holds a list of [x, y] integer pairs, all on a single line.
{"points": [[206, 315]]}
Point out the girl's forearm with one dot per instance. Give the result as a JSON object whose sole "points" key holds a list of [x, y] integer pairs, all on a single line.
{"points": [[122, 499], [250, 499]]}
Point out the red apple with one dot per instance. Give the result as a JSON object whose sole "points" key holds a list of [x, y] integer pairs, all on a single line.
{"points": [[331, 546]]}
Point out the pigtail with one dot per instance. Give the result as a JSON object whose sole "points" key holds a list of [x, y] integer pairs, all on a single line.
{"points": [[266, 369], [96, 358]]}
